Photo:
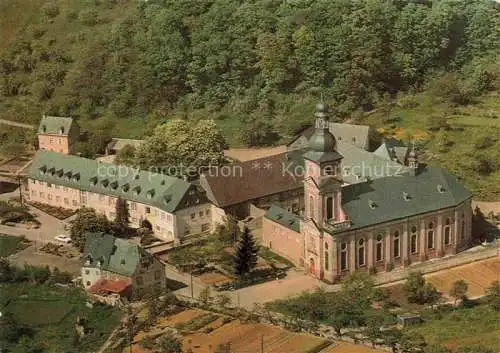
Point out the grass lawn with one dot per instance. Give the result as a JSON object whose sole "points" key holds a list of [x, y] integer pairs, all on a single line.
{"points": [[10, 245], [469, 124], [464, 327], [51, 313]]}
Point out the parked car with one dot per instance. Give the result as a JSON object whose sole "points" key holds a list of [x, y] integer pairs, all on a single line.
{"points": [[63, 238]]}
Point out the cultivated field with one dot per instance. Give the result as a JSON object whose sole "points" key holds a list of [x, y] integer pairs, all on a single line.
{"points": [[242, 337], [478, 276]]}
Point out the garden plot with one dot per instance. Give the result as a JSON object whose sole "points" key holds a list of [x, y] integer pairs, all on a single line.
{"points": [[478, 275]]}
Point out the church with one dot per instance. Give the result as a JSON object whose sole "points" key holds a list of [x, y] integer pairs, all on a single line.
{"points": [[374, 225]]}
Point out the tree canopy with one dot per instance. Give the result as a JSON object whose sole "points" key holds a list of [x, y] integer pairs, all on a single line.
{"points": [[259, 62], [87, 221]]}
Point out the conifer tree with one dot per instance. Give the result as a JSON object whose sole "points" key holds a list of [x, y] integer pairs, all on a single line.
{"points": [[122, 214], [246, 254]]}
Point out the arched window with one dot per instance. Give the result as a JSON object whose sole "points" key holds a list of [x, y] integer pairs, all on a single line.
{"points": [[361, 252], [396, 244], [430, 236], [447, 232], [329, 207], [413, 240], [311, 207], [379, 255], [343, 256], [327, 258]]}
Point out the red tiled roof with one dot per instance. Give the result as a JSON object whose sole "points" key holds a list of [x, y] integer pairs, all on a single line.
{"points": [[252, 179], [106, 285]]}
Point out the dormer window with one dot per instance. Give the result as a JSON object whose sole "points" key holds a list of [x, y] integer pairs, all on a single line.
{"points": [[150, 193], [76, 177], [93, 181], [60, 173], [406, 196], [167, 198], [61, 130], [114, 185], [125, 187], [68, 175], [52, 171], [43, 169], [137, 190], [162, 182], [44, 128], [440, 188], [279, 216], [105, 183], [372, 204], [136, 176]]}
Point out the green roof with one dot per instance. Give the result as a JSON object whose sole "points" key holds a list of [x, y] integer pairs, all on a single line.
{"points": [[159, 190], [391, 198], [112, 254], [55, 124], [283, 217]]}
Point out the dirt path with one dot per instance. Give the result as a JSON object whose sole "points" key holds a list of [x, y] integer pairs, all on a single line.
{"points": [[248, 154], [13, 123]]}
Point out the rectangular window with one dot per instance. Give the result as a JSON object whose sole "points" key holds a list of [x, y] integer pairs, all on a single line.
{"points": [[447, 238], [430, 239], [413, 244], [42, 195], [87, 272], [396, 247], [111, 200], [65, 189], [148, 209], [379, 255], [49, 185], [207, 212], [58, 198], [66, 201], [133, 206], [49, 197], [155, 212], [193, 215], [74, 203], [200, 214], [169, 218], [343, 260], [162, 215], [157, 228], [205, 227], [33, 193], [33, 181]]}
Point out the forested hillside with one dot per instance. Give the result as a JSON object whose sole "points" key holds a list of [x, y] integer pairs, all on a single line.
{"points": [[257, 67]]}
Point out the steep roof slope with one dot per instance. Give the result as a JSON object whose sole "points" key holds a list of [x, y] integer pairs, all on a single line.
{"points": [[55, 125], [397, 197], [113, 254], [159, 190]]}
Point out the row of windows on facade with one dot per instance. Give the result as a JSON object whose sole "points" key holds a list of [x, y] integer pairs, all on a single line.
{"points": [[111, 202], [379, 248]]}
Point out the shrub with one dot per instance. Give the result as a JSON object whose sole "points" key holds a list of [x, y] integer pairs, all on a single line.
{"points": [[89, 17], [484, 142], [50, 9], [484, 164]]}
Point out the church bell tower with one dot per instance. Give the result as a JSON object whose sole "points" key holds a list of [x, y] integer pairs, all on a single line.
{"points": [[323, 179]]}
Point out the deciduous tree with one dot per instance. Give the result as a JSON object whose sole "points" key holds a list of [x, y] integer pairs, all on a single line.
{"points": [[87, 221]]}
